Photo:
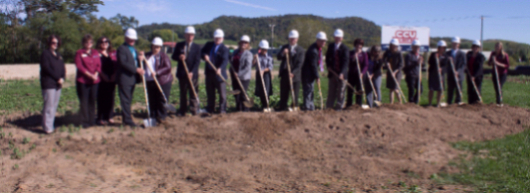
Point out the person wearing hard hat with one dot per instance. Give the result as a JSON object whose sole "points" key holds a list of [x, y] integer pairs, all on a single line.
{"points": [[475, 61], [337, 60], [459, 61], [241, 60], [501, 60], [189, 53], [438, 61], [88, 65], [296, 54], [394, 58], [160, 64], [266, 64], [216, 53], [353, 78], [412, 69], [310, 69], [129, 73]]}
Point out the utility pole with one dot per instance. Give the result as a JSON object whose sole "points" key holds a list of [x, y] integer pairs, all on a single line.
{"points": [[272, 34], [482, 30]]}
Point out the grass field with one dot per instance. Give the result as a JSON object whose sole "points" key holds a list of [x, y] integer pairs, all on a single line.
{"points": [[501, 165]]}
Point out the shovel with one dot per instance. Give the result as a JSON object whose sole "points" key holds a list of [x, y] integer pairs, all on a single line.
{"points": [[400, 92], [496, 71], [442, 104], [474, 86], [201, 111], [230, 92], [169, 108], [321, 99], [456, 81], [149, 122], [294, 100], [363, 106], [268, 109], [249, 103], [378, 103]]}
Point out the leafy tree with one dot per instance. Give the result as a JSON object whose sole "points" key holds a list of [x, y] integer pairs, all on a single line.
{"points": [[125, 22], [166, 34]]}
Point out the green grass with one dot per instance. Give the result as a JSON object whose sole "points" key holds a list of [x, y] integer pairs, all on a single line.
{"points": [[501, 165], [25, 95]]}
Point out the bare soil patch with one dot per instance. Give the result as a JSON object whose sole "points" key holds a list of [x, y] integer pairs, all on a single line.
{"points": [[321, 151]]}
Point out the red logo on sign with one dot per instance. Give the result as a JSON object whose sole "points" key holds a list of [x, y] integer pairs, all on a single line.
{"points": [[405, 36]]}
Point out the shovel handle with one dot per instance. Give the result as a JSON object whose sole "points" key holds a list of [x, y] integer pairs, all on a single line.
{"points": [[189, 79], [295, 100], [218, 74], [263, 82], [156, 81], [146, 95], [240, 84]]}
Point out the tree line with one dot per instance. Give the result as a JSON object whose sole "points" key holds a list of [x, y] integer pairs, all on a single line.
{"points": [[25, 25]]}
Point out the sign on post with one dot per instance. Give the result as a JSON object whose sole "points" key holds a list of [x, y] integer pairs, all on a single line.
{"points": [[405, 35]]}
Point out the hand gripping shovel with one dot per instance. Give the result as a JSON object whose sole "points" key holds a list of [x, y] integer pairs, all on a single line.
{"points": [[343, 81], [363, 106], [294, 100], [230, 92], [169, 108], [456, 81], [193, 91], [268, 109], [442, 104], [149, 122], [249, 103]]}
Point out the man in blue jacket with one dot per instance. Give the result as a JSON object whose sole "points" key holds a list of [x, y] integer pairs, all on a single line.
{"points": [[216, 53], [312, 62]]}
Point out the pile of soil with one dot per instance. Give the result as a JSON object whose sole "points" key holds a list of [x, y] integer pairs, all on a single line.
{"points": [[322, 151]]}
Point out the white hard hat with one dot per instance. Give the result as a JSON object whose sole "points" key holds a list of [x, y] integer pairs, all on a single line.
{"points": [[190, 30], [456, 39], [293, 34], [322, 36], [131, 34], [394, 42], [416, 43], [264, 44], [219, 33], [339, 33], [441, 43], [477, 43], [157, 41], [245, 38]]}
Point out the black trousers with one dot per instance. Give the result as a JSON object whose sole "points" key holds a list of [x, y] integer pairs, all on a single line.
{"points": [[87, 94], [412, 84], [240, 98], [472, 94], [106, 96], [498, 91], [285, 92], [452, 89], [185, 92], [156, 99], [126, 94], [212, 84]]}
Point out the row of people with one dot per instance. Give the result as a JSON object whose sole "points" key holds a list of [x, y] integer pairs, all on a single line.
{"points": [[350, 73]]}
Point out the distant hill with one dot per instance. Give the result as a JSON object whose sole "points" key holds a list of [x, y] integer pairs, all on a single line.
{"points": [[258, 28]]}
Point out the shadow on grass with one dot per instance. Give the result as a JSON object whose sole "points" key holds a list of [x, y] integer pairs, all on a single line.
{"points": [[33, 123]]}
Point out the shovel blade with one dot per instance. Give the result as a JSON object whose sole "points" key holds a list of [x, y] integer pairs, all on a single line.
{"points": [[365, 107], [443, 104], [149, 122], [378, 103], [248, 104], [170, 108]]}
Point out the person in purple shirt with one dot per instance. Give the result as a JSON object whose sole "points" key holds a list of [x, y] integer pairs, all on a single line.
{"points": [[353, 76]]}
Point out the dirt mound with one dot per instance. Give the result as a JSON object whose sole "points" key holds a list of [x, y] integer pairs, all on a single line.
{"points": [[321, 151]]}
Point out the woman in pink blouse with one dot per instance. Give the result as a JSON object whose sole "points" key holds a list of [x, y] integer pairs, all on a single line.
{"points": [[88, 65]]}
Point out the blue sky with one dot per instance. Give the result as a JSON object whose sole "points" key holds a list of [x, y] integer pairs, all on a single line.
{"points": [[509, 19]]}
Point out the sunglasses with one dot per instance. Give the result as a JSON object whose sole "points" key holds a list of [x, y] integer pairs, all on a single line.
{"points": [[55, 43], [105, 41]]}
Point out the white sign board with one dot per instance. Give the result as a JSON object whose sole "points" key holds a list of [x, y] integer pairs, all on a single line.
{"points": [[405, 35]]}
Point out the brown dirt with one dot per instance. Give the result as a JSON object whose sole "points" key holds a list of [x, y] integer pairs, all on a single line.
{"points": [[253, 152]]}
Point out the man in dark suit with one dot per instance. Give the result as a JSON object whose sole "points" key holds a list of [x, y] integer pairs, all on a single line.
{"points": [[296, 58], [129, 73], [460, 63], [216, 53], [312, 63], [190, 53], [337, 60], [412, 69]]}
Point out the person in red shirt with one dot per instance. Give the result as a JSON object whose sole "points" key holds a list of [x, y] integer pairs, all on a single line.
{"points": [[88, 65], [501, 60], [475, 61]]}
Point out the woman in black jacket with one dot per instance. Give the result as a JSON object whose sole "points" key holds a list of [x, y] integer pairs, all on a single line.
{"points": [[475, 62], [107, 86], [52, 75]]}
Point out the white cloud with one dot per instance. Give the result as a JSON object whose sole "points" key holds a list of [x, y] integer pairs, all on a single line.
{"points": [[250, 5]]}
